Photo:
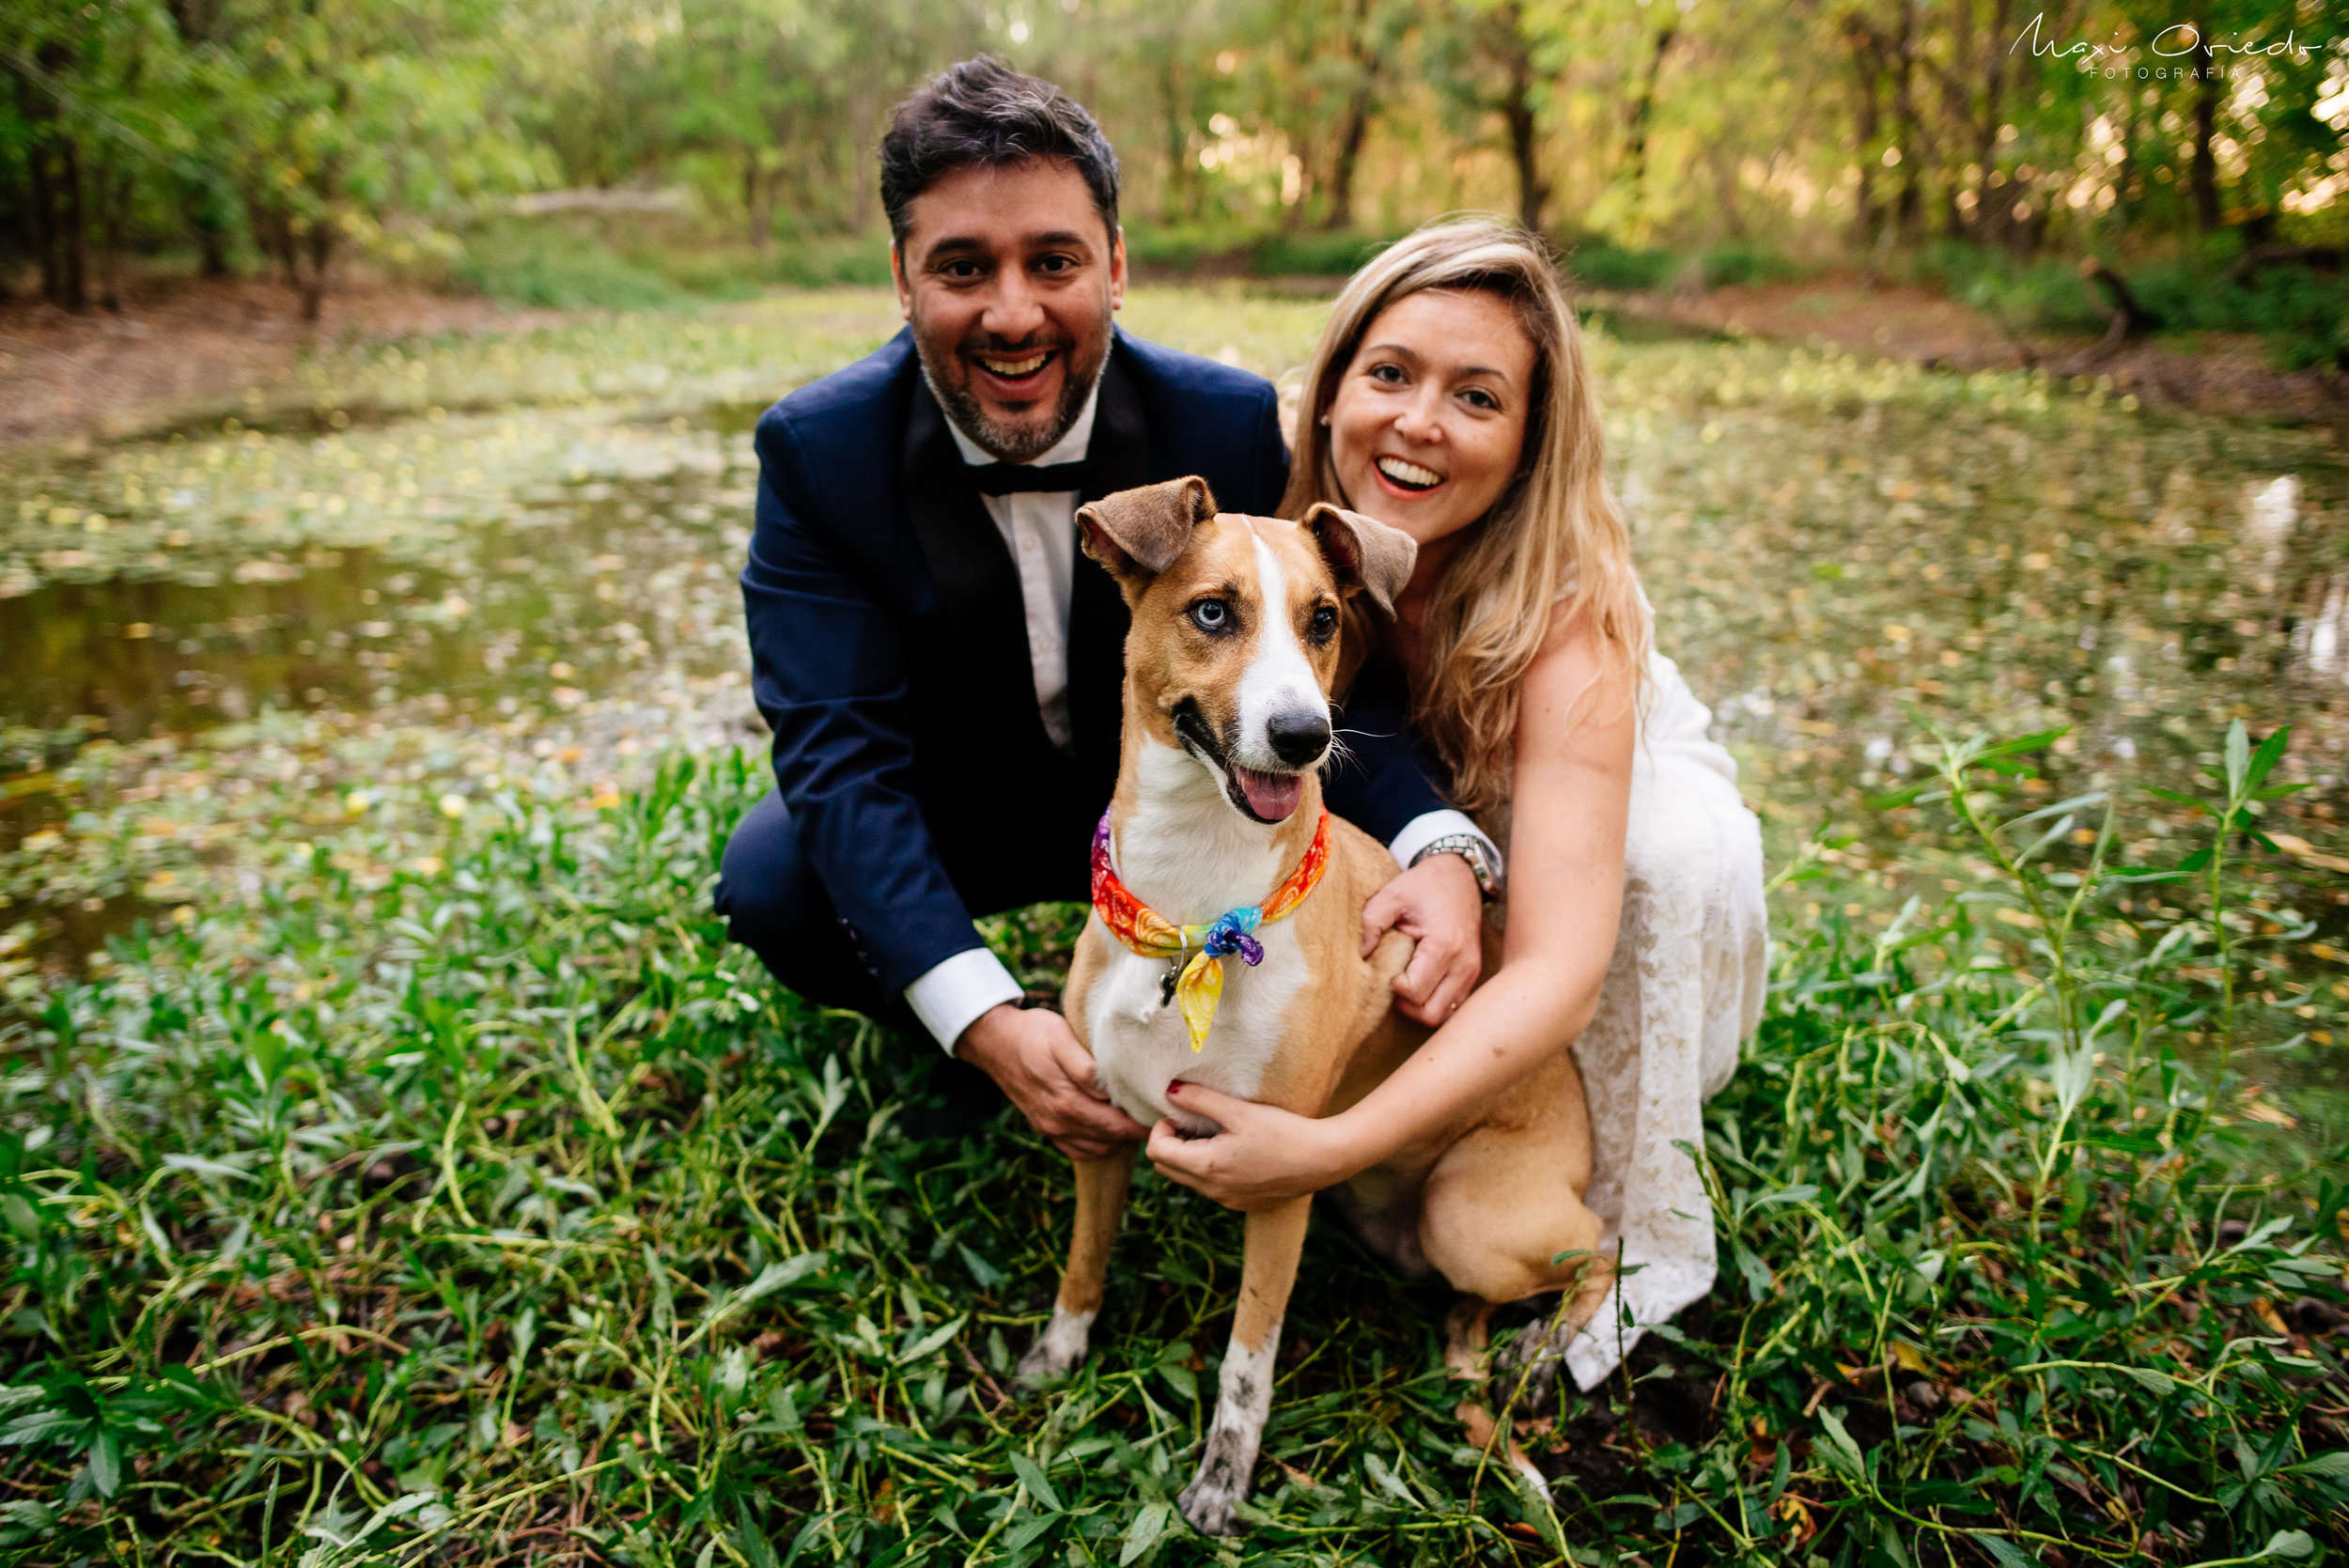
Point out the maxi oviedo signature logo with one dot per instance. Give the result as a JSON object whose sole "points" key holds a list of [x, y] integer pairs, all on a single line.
{"points": [[2181, 42]]}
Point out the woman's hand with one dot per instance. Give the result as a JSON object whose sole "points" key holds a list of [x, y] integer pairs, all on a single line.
{"points": [[1436, 902], [1261, 1158]]}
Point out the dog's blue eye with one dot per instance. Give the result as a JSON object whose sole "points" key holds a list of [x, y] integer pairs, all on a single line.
{"points": [[1212, 615]]}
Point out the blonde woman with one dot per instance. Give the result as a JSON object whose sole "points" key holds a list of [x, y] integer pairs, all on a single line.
{"points": [[1450, 397]]}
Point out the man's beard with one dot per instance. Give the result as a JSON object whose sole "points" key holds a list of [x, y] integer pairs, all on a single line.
{"points": [[1014, 444]]}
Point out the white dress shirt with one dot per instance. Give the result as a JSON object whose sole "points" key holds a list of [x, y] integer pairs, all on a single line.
{"points": [[1040, 529]]}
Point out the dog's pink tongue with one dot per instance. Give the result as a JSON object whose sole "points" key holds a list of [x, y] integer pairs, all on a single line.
{"points": [[1272, 796]]}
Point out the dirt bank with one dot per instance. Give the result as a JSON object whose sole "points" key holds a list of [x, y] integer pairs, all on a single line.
{"points": [[191, 346], [2209, 372]]}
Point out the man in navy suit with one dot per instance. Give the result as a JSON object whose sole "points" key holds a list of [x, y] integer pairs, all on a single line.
{"points": [[940, 666]]}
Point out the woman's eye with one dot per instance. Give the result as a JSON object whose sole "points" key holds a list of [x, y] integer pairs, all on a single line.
{"points": [[1212, 615], [1325, 621], [1391, 374], [1481, 400]]}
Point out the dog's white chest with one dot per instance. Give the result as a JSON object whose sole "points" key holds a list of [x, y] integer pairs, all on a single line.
{"points": [[1141, 1045]]}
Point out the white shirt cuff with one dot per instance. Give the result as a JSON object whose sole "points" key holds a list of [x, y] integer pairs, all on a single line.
{"points": [[950, 998], [1424, 829]]}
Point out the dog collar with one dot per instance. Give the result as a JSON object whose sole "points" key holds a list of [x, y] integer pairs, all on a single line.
{"points": [[1199, 951]]}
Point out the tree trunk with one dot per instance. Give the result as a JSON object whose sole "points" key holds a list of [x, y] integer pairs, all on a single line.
{"points": [[60, 225], [2124, 188], [1355, 127], [1643, 108], [2202, 177], [1992, 107], [1176, 127], [758, 201], [72, 230], [1867, 120], [116, 188], [211, 234], [1351, 134], [1517, 110], [1909, 206], [320, 246]]}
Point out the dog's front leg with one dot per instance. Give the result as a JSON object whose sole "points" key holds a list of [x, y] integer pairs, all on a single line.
{"points": [[1244, 1394], [1100, 1199]]}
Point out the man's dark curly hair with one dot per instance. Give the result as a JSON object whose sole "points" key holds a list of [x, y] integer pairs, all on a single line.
{"points": [[983, 112]]}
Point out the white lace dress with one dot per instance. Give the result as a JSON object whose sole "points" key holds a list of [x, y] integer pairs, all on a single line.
{"points": [[1684, 988]]}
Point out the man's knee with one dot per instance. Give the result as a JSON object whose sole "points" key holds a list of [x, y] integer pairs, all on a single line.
{"points": [[764, 882]]}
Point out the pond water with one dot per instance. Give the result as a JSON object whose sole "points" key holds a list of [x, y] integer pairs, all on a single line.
{"points": [[477, 571]]}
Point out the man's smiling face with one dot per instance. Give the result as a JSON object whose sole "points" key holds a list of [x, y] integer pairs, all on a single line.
{"points": [[1009, 277]]}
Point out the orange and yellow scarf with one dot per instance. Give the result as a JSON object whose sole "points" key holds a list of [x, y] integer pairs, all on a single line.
{"points": [[1144, 931]]}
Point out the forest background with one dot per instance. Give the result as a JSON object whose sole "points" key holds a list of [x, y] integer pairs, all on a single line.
{"points": [[399, 1164], [620, 153]]}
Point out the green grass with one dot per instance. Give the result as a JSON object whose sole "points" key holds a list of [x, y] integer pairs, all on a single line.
{"points": [[500, 1207]]}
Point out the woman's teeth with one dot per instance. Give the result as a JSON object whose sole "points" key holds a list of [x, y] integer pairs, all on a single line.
{"points": [[1014, 366], [1410, 475]]}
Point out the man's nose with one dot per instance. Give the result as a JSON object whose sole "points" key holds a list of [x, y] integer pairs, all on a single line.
{"points": [[1298, 738], [1014, 311]]}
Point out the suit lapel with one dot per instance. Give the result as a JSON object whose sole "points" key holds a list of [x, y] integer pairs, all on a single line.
{"points": [[978, 586], [1119, 457]]}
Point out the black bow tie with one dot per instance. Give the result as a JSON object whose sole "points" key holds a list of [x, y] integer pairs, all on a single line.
{"points": [[1013, 478]]}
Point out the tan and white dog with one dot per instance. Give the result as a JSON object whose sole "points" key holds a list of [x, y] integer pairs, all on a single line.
{"points": [[1229, 664]]}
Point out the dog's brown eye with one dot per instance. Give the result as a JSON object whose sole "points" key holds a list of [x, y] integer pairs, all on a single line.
{"points": [[1212, 615], [1325, 622]]}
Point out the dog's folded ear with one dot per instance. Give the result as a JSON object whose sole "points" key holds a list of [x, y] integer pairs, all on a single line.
{"points": [[1137, 534], [1364, 554]]}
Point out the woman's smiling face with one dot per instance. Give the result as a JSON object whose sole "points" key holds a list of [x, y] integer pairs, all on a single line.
{"points": [[1429, 419]]}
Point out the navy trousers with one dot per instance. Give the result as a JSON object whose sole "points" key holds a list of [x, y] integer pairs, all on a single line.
{"points": [[774, 905]]}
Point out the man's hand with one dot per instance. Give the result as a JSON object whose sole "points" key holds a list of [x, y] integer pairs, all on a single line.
{"points": [[1437, 902], [1035, 1057]]}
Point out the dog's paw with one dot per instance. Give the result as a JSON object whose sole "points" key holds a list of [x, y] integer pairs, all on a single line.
{"points": [[1212, 1506], [1525, 1371], [1057, 1349], [1524, 1390]]}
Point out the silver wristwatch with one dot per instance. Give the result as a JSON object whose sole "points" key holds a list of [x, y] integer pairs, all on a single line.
{"points": [[1472, 850]]}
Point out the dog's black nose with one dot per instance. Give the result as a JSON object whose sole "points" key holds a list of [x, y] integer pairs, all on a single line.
{"points": [[1298, 738]]}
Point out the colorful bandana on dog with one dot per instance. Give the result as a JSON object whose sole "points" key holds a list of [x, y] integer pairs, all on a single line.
{"points": [[1146, 932]]}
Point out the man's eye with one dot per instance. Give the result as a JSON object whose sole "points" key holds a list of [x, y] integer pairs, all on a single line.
{"points": [[1212, 615], [1325, 622], [1054, 264]]}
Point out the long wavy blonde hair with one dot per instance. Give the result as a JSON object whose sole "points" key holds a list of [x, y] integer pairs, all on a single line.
{"points": [[1551, 549]]}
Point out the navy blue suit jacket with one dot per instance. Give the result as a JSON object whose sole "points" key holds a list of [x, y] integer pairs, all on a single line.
{"points": [[889, 647]]}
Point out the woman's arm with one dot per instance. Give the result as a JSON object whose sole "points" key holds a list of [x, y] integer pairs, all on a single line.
{"points": [[1575, 728]]}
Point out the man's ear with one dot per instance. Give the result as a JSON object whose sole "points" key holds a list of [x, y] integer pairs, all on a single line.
{"points": [[1137, 534], [1363, 553]]}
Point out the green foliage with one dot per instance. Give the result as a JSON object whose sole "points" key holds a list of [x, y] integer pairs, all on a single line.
{"points": [[1602, 264], [554, 270], [2302, 312], [1326, 253], [522, 1208], [1740, 262], [2045, 296]]}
